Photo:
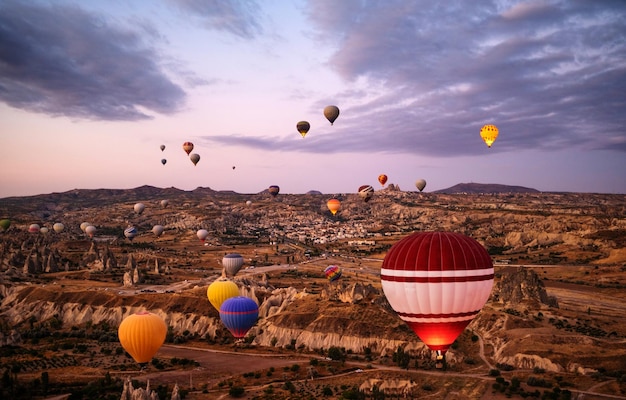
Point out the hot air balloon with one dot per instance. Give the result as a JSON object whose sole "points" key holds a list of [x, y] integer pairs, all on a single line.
{"points": [[4, 224], [239, 314], [382, 178], [248, 202], [232, 263], [331, 113], [489, 133], [163, 161], [273, 190], [366, 192], [437, 282], [162, 147], [43, 229], [420, 184], [333, 205], [165, 203], [158, 230], [303, 127], [84, 225], [187, 146], [221, 290], [142, 335], [233, 167], [194, 158], [90, 230], [332, 273], [202, 234], [58, 227], [34, 228], [130, 233], [139, 207]]}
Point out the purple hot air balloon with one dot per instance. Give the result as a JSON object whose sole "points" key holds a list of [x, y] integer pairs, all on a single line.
{"points": [[239, 314]]}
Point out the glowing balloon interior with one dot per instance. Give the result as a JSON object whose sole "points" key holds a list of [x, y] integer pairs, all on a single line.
{"points": [[437, 282], [489, 133]]}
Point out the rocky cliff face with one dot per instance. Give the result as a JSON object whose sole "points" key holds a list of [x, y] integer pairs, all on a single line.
{"points": [[520, 285]]}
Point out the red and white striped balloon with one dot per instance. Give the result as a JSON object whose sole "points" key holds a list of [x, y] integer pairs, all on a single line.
{"points": [[437, 282]]}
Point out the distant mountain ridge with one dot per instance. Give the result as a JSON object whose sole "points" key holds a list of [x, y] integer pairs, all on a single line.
{"points": [[475, 188]]}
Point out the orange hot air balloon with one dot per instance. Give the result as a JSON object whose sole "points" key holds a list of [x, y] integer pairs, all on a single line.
{"points": [[333, 205], [489, 133], [303, 127], [382, 178], [142, 335], [437, 282], [187, 146]]}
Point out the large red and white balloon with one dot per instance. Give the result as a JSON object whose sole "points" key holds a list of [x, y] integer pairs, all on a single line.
{"points": [[437, 282]]}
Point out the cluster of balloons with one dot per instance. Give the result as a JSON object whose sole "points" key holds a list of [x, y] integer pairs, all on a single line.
{"points": [[437, 282], [330, 112]]}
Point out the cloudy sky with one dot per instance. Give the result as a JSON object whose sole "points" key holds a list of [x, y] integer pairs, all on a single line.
{"points": [[90, 90]]}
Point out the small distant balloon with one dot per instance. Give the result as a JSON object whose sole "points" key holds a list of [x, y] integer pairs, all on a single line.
{"points": [[274, 190], [188, 147], [165, 203], [382, 178], [303, 127], [158, 230], [420, 184], [239, 314], [139, 207], [58, 227], [489, 133], [233, 167], [194, 158], [84, 226], [90, 230], [232, 263], [4, 224], [202, 234], [333, 205], [366, 192], [248, 202], [43, 229], [34, 228], [163, 161], [130, 233], [331, 113], [332, 273], [162, 147]]}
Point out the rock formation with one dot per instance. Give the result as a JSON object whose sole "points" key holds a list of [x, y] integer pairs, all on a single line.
{"points": [[519, 285]]}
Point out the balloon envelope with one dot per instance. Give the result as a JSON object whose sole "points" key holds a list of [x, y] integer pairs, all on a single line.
{"points": [[232, 263], [202, 234], [165, 203], [158, 230], [142, 335], [382, 178], [366, 192], [333, 205], [303, 127], [194, 158], [489, 133], [5, 224], [273, 190], [162, 147], [58, 227], [139, 207], [43, 229], [331, 113], [34, 228], [90, 230], [130, 232], [420, 184], [163, 161], [84, 225], [437, 282], [332, 273], [187, 146], [221, 290], [239, 314]]}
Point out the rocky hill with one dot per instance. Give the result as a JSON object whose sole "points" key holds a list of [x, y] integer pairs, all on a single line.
{"points": [[485, 188]]}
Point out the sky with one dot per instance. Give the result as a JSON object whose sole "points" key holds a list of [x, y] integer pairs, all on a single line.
{"points": [[90, 90]]}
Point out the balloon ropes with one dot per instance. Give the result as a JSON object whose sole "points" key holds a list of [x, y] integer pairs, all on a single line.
{"points": [[239, 314], [142, 335], [437, 282], [489, 133]]}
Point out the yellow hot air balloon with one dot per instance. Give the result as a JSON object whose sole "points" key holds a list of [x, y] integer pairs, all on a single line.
{"points": [[333, 205], [489, 133], [221, 290], [303, 127], [142, 335]]}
